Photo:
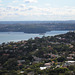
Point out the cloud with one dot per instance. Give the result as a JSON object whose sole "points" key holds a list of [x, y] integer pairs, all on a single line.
{"points": [[12, 8], [34, 9], [30, 1], [22, 5], [0, 1], [64, 11], [1, 5], [31, 11], [15, 1]]}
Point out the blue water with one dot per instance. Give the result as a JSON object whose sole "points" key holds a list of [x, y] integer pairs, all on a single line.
{"points": [[18, 36]]}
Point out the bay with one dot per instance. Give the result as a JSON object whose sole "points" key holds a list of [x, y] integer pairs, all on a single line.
{"points": [[18, 36]]}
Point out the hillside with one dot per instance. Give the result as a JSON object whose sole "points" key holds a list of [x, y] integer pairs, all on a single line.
{"points": [[29, 56], [36, 26]]}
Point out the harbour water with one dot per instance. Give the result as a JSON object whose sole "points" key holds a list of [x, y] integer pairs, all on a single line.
{"points": [[18, 36]]}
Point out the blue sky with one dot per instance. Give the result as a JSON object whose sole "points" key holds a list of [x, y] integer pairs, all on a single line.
{"points": [[31, 10]]}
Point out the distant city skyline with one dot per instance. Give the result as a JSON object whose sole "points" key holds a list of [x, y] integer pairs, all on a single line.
{"points": [[37, 10]]}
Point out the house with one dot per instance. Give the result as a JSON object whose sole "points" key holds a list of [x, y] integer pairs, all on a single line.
{"points": [[71, 46], [43, 68], [54, 56], [73, 52], [47, 65], [68, 63], [58, 38], [21, 72], [21, 61], [37, 37], [71, 62], [70, 58], [19, 64], [53, 62], [71, 55]]}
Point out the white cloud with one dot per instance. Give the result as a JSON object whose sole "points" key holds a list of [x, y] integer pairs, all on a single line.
{"points": [[30, 1], [22, 5], [26, 1], [0, 4], [15, 1], [47, 12], [64, 11], [0, 1]]}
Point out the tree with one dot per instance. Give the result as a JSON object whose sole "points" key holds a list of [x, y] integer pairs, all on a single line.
{"points": [[61, 70], [72, 67], [11, 64], [61, 59]]}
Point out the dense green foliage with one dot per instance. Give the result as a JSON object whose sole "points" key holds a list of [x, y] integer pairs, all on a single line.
{"points": [[29, 56], [35, 27]]}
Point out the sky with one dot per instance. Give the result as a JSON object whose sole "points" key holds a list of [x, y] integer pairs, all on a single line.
{"points": [[37, 10]]}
